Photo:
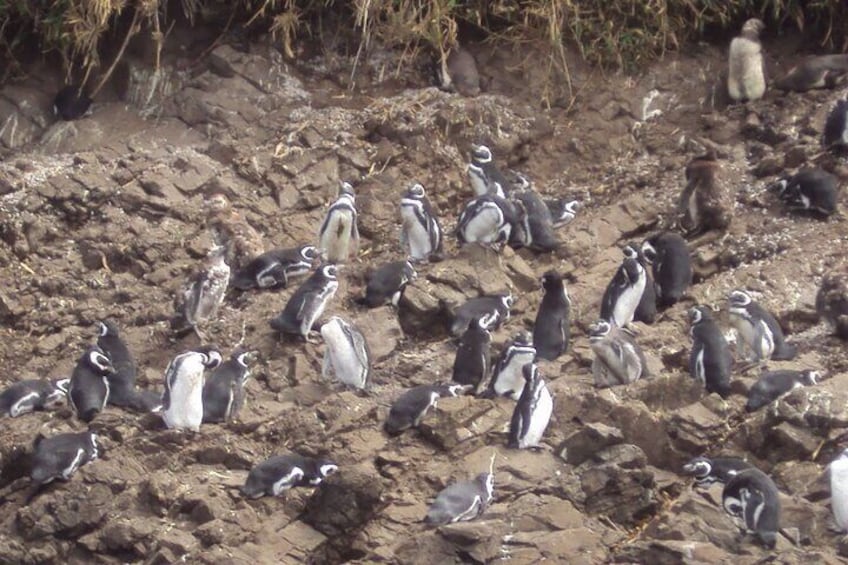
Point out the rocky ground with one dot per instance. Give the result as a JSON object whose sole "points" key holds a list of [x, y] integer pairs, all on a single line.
{"points": [[102, 218]]}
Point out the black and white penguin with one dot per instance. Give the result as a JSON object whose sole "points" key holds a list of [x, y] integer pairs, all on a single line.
{"points": [[538, 224], [668, 255], [308, 302], [339, 234], [495, 307], [282, 472], [347, 356], [551, 329], [223, 391], [420, 232], [532, 412], [758, 331], [59, 456], [386, 284], [709, 361], [410, 407], [646, 311], [624, 292], [182, 403], [774, 384], [484, 175], [809, 190], [618, 358], [752, 496], [30, 395], [832, 301], [88, 390], [508, 376], [838, 470], [815, 71], [836, 126], [472, 362], [707, 471], [746, 73], [457, 72], [201, 298], [487, 219], [462, 501], [275, 268], [71, 103], [122, 380], [563, 211]]}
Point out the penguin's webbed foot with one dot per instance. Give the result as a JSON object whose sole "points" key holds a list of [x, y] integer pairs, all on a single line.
{"points": [[312, 336]]}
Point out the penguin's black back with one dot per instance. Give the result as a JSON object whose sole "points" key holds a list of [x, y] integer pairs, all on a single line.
{"points": [[763, 490], [87, 389], [408, 407], [837, 121], [122, 381], [298, 305], [672, 268], [522, 415], [717, 358], [551, 331], [383, 283], [770, 386], [471, 365]]}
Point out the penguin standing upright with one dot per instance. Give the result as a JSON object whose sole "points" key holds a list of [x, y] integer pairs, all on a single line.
{"points": [[275, 268], [709, 361], [339, 234], [462, 501], [484, 175], [411, 406], [59, 456], [279, 473], [538, 222], [122, 381], [836, 126], [30, 395], [182, 403], [420, 232], [508, 377], [347, 355], [832, 301], [646, 311], [532, 411], [494, 306], [624, 292], [487, 219], [746, 74], [223, 391], [307, 303], [551, 330], [457, 71], [811, 190], [88, 390], [387, 282], [668, 255], [839, 490], [472, 361], [715, 469], [758, 330], [71, 103], [618, 359], [773, 384], [704, 203], [201, 298], [752, 496]]}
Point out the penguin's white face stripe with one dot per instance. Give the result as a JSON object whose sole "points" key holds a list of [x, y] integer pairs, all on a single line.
{"points": [[62, 385], [104, 329], [330, 272], [733, 506], [481, 154], [740, 298], [309, 253], [649, 252], [328, 469], [99, 361]]}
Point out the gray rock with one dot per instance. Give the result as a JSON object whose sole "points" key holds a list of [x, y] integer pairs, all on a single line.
{"points": [[583, 444]]}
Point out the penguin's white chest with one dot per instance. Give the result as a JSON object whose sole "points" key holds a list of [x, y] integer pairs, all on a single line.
{"points": [[337, 235], [539, 418], [186, 398], [839, 492], [746, 79], [510, 381], [485, 226], [477, 178], [415, 234], [628, 301]]}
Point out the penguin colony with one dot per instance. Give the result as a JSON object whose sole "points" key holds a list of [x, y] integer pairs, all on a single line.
{"points": [[199, 387]]}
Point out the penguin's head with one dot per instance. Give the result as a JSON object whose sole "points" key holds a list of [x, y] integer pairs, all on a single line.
{"points": [[98, 361], [522, 181], [508, 300], [649, 252], [523, 338], [107, 327], [453, 389], [481, 154], [309, 253], [810, 377], [739, 299], [632, 269], [243, 358], [630, 251], [698, 314], [551, 280], [599, 330], [330, 272], [485, 321], [327, 468], [416, 191], [754, 26], [212, 358], [346, 189], [58, 394], [94, 447], [699, 467]]}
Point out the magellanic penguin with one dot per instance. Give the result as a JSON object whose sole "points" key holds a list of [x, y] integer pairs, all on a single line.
{"points": [[484, 175], [30, 395], [275, 268], [339, 235], [462, 501], [200, 299], [410, 407], [838, 469], [494, 306], [487, 219], [618, 359], [420, 232], [472, 362], [532, 411], [709, 470], [71, 103], [832, 301], [563, 211], [88, 390], [811, 190], [624, 292], [836, 126], [308, 302], [457, 72], [280, 473], [746, 73], [646, 311], [347, 356], [230, 230], [668, 255], [182, 403], [752, 496], [122, 381], [758, 330], [223, 391], [815, 71], [386, 284], [774, 384], [538, 228], [705, 203], [709, 361], [59, 456], [552, 327], [508, 376]]}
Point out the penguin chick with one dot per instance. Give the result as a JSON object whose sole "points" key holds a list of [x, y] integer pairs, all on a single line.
{"points": [[339, 234], [275, 268], [59, 456], [182, 403], [472, 362], [458, 73], [532, 412], [412, 406], [71, 103], [709, 361], [420, 233], [704, 203], [774, 384], [746, 76], [759, 332], [752, 496], [815, 71], [832, 301], [387, 283], [30, 395], [307, 303], [462, 501], [668, 255], [223, 391], [838, 470], [707, 471], [494, 306], [277, 474], [88, 389], [508, 375], [200, 299], [347, 356], [811, 190], [618, 359], [552, 327], [836, 126], [241, 242]]}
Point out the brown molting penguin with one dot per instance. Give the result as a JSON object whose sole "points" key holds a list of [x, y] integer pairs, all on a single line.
{"points": [[704, 203], [746, 76], [229, 229], [458, 72], [832, 301], [816, 71]]}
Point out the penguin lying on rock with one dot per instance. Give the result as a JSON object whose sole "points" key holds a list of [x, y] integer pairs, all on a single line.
{"points": [[774, 384], [810, 190], [59, 456], [274, 269], [462, 501], [387, 283], [411, 406], [30, 395], [277, 474]]}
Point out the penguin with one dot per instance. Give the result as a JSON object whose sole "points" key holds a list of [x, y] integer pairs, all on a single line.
{"points": [[387, 283], [811, 190], [410, 407], [669, 258], [182, 403], [758, 330], [30, 395], [832, 302], [462, 501], [122, 380], [707, 471], [88, 389], [646, 311], [551, 329], [201, 298], [618, 359], [484, 175], [752, 496], [420, 233], [59, 456], [494, 306], [538, 223], [838, 470], [339, 234], [471, 364], [836, 126], [746, 74], [223, 391], [487, 219], [562, 211], [815, 71], [624, 292], [71, 103], [458, 72], [308, 302], [347, 355], [774, 384], [704, 204], [230, 230], [508, 377], [532, 412], [279, 473], [709, 360], [275, 268]]}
